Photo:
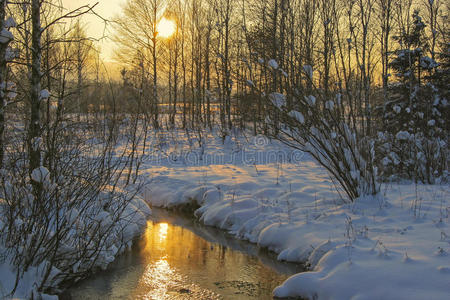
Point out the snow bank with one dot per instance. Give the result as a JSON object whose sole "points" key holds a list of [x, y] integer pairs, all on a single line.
{"points": [[131, 224], [394, 246]]}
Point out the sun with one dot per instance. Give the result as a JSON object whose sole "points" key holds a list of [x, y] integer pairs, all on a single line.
{"points": [[166, 28]]}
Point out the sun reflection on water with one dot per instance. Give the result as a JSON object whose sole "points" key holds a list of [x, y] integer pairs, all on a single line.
{"points": [[156, 279], [163, 228], [172, 263]]}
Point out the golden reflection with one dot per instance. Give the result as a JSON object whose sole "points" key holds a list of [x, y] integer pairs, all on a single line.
{"points": [[162, 232], [157, 277], [179, 265], [173, 263]]}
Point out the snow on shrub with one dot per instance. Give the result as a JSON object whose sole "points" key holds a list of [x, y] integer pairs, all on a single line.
{"points": [[40, 175], [348, 157], [273, 64]]}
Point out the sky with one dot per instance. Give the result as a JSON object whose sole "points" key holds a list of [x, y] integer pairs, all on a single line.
{"points": [[95, 26]]}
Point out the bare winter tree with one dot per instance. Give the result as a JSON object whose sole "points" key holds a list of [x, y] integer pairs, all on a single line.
{"points": [[55, 176], [136, 29], [6, 54]]}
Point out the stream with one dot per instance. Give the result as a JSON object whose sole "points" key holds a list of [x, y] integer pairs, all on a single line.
{"points": [[179, 258]]}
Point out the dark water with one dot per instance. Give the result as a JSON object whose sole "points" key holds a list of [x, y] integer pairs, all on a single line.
{"points": [[178, 258]]}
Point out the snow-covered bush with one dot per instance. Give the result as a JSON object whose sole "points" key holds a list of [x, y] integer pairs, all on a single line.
{"points": [[80, 220], [316, 121], [325, 134], [412, 156]]}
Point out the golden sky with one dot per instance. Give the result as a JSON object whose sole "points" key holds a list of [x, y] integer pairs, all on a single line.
{"points": [[95, 27]]}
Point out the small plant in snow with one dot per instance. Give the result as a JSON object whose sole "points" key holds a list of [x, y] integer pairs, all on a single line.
{"points": [[441, 252], [289, 209], [349, 229]]}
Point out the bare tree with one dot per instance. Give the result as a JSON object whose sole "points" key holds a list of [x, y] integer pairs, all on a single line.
{"points": [[136, 29], [5, 55]]}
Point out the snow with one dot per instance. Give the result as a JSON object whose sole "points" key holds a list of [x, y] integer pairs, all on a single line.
{"points": [[280, 199], [119, 216], [5, 36], [10, 22], [308, 70], [428, 63], [40, 175], [273, 64], [45, 94], [402, 135], [278, 99], [329, 105], [10, 54], [311, 100], [131, 225], [297, 116]]}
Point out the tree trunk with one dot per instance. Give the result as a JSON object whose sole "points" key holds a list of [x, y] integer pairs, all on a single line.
{"points": [[35, 117], [3, 75]]}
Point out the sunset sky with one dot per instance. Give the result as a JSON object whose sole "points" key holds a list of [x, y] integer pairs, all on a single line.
{"points": [[95, 26]]}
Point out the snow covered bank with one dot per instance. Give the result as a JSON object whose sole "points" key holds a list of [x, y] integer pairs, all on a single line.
{"points": [[118, 231], [394, 246]]}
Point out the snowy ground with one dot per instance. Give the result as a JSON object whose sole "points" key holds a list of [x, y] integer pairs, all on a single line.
{"points": [[395, 246]]}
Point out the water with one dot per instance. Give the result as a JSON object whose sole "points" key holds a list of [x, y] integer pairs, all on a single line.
{"points": [[178, 258]]}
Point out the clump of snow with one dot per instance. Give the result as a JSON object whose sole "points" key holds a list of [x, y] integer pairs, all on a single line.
{"points": [[10, 22], [428, 63], [5, 36], [402, 135], [44, 94], [277, 99], [311, 100], [297, 116], [10, 54], [36, 142], [308, 70], [329, 105], [40, 175], [273, 64]]}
